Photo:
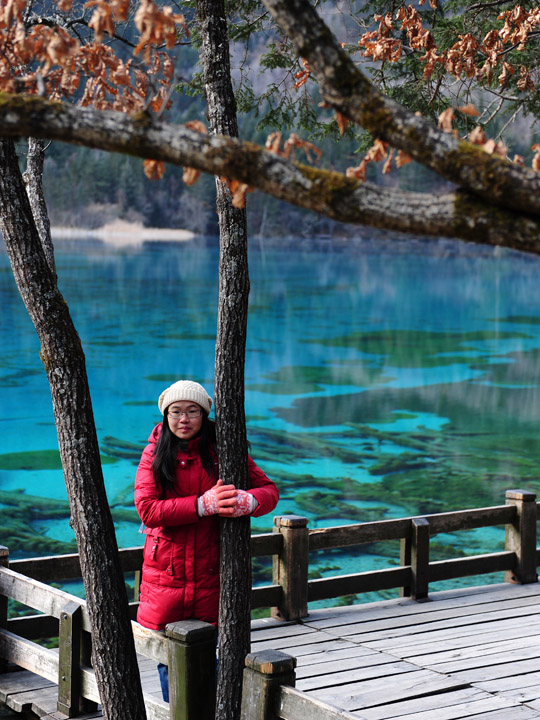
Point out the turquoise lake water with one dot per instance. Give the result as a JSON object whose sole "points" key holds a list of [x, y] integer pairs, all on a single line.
{"points": [[379, 383]]}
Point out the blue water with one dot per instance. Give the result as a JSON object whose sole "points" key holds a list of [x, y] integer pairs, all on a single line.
{"points": [[407, 343]]}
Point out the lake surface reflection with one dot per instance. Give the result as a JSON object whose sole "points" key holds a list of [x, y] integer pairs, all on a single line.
{"points": [[379, 383]]}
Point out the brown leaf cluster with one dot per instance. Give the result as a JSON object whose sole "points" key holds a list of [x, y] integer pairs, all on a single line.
{"points": [[303, 75], [49, 61], [378, 152], [467, 57], [273, 143], [191, 175]]}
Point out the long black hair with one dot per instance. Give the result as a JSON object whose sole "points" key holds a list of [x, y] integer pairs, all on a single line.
{"points": [[166, 452]]}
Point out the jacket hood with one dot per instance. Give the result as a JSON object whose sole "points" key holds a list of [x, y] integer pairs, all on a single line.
{"points": [[154, 435]]}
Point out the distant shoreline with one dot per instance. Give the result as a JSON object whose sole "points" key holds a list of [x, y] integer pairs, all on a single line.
{"points": [[121, 233]]}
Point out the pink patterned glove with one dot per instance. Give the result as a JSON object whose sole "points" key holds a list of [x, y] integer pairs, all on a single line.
{"points": [[207, 504], [219, 500], [245, 503]]}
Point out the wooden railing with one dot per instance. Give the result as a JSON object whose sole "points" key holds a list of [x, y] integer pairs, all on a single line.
{"points": [[65, 616]]}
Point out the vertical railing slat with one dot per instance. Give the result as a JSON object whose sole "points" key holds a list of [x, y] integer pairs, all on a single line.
{"points": [[69, 659]]}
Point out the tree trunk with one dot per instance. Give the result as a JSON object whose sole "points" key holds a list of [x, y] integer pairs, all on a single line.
{"points": [[33, 179], [235, 565], [113, 651]]}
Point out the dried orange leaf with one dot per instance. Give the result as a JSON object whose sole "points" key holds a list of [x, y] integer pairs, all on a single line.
{"points": [[469, 109], [445, 120], [154, 169], [342, 122], [190, 176], [478, 136], [402, 159], [198, 126], [387, 167], [536, 157]]}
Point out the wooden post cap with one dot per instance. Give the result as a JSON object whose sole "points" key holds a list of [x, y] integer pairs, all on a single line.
{"points": [[271, 662], [291, 521], [190, 631], [524, 495], [4, 552]]}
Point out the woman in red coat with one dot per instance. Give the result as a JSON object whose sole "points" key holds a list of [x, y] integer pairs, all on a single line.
{"points": [[179, 497]]}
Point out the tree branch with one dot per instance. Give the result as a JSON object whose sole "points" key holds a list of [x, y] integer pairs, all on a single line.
{"points": [[455, 214], [348, 91]]}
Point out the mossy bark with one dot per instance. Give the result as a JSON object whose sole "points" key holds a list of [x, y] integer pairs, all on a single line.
{"points": [[458, 214]]}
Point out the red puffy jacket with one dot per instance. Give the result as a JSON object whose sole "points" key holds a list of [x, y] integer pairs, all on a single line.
{"points": [[180, 577]]}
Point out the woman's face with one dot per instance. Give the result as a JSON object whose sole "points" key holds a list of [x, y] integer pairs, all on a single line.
{"points": [[185, 419]]}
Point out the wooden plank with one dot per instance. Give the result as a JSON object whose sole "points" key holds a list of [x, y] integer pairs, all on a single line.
{"points": [[266, 544], [433, 702], [65, 567], [465, 710], [358, 583], [283, 630], [332, 664], [503, 685], [465, 615], [45, 702], [21, 681], [477, 657], [293, 705], [344, 535], [493, 672], [473, 565], [360, 695], [297, 649], [28, 655], [448, 630], [469, 519], [150, 643], [464, 602], [447, 640], [38, 595], [334, 679], [518, 713], [266, 596]]}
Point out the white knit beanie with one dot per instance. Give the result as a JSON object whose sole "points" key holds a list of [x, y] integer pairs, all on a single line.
{"points": [[185, 390]]}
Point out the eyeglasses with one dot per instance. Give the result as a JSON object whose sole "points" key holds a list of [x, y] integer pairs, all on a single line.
{"points": [[190, 414]]}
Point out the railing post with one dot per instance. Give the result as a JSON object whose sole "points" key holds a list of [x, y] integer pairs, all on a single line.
{"points": [[404, 560], [290, 568], [419, 558], [69, 668], [4, 562], [521, 537], [264, 673], [192, 670]]}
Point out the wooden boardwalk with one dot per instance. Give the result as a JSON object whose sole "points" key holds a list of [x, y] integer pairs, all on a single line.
{"points": [[472, 653]]}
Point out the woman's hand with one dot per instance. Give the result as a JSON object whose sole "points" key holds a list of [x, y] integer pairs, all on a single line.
{"points": [[226, 501], [219, 500]]}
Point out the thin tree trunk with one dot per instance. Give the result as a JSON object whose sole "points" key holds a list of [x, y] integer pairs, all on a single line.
{"points": [[113, 651], [33, 179], [235, 596]]}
